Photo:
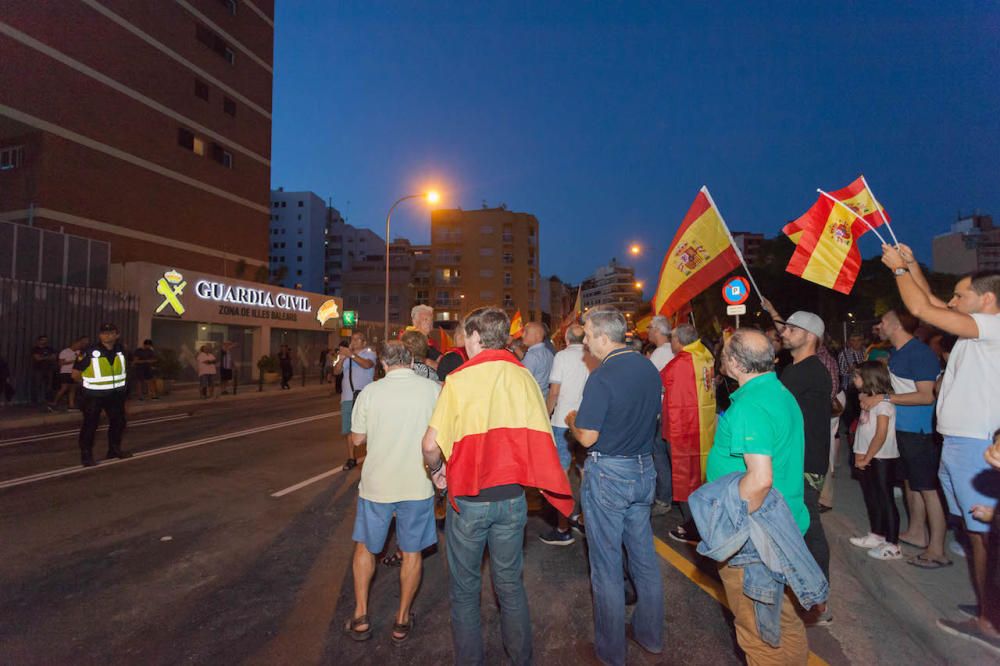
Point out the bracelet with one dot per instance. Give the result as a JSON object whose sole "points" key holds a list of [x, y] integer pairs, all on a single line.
{"points": [[438, 468]]}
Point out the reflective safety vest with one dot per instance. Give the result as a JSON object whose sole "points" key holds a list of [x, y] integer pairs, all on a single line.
{"points": [[101, 375]]}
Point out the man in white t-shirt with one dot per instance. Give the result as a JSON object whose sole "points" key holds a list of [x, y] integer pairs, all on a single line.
{"points": [[391, 417], [67, 358], [968, 408], [206, 371], [356, 363], [566, 381], [659, 335]]}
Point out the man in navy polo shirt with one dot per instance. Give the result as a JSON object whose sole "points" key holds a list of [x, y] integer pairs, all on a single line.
{"points": [[913, 368], [617, 423]]}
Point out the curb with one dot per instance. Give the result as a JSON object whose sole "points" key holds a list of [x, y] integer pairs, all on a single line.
{"points": [[141, 407]]}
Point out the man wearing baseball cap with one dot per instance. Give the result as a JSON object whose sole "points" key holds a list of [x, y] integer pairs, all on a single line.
{"points": [[809, 381], [102, 372]]}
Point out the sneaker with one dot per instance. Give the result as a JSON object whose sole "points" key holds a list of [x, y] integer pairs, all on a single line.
{"points": [[350, 464], [660, 508], [684, 536], [957, 548], [970, 631], [887, 551], [868, 541], [557, 538], [576, 524]]}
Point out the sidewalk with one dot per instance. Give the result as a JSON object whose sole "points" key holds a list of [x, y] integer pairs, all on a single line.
{"points": [[915, 597], [181, 395]]}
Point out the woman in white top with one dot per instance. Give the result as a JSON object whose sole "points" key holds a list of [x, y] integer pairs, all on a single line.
{"points": [[875, 455]]}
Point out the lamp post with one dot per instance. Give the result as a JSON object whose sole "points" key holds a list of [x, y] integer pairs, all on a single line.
{"points": [[432, 198]]}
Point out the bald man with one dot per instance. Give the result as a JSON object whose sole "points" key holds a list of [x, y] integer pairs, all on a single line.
{"points": [[537, 357]]}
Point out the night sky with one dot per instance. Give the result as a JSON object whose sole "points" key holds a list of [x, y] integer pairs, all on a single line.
{"points": [[604, 118]]}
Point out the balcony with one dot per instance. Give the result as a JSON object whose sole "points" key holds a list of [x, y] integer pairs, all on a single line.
{"points": [[448, 302]]}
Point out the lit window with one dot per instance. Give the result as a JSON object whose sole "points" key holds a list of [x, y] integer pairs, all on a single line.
{"points": [[198, 146]]}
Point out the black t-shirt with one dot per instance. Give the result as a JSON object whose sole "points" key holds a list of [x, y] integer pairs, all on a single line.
{"points": [[143, 354], [810, 383], [448, 364], [43, 350]]}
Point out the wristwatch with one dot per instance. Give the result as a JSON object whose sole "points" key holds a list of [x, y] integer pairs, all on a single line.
{"points": [[900, 271], [886, 398]]}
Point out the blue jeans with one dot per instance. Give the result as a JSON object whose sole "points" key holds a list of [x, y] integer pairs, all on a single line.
{"points": [[661, 462], [501, 525], [617, 494]]}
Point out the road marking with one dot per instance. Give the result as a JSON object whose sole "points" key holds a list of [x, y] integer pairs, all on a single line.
{"points": [[707, 583], [66, 471], [76, 431], [311, 480]]}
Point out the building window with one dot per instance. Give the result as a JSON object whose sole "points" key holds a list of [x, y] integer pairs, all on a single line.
{"points": [[508, 258], [508, 235], [300, 243], [185, 138], [300, 216], [11, 157], [507, 281], [282, 245], [300, 258], [485, 252], [485, 229], [229, 106], [485, 295], [284, 204], [231, 6], [298, 273], [275, 204], [222, 156], [300, 230], [201, 89], [486, 272], [215, 43], [508, 302], [301, 204], [228, 54]]}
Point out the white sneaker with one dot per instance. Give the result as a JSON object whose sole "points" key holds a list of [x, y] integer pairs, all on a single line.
{"points": [[956, 548], [887, 551], [870, 540]]}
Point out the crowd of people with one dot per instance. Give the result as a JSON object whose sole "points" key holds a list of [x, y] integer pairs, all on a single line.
{"points": [[741, 434]]}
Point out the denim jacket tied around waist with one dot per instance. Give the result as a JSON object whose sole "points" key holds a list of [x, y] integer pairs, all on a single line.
{"points": [[766, 544]]}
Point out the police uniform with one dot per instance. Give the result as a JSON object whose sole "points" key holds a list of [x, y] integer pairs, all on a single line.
{"points": [[103, 373]]}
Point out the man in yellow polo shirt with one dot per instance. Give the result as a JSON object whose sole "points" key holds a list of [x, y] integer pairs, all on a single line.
{"points": [[390, 417]]}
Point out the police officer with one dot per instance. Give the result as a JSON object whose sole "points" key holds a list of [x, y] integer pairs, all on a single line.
{"points": [[102, 372]]}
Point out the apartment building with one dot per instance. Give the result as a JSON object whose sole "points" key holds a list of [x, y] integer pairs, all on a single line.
{"points": [[482, 257], [613, 284], [146, 125], [972, 244]]}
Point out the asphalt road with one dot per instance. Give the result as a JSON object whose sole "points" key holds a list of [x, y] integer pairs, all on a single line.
{"points": [[184, 554]]}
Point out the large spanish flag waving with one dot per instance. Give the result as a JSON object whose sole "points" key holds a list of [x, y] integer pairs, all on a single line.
{"points": [[689, 415], [826, 237], [700, 254], [493, 429]]}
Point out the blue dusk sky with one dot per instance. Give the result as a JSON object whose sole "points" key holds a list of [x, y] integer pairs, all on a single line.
{"points": [[604, 118]]}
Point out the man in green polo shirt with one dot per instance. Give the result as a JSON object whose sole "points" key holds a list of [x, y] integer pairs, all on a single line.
{"points": [[761, 434]]}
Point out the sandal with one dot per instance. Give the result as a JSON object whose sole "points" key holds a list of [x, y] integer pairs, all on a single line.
{"points": [[403, 630], [928, 563], [351, 628], [394, 560]]}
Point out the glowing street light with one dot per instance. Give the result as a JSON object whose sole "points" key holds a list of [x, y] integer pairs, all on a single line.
{"points": [[635, 249], [638, 284], [432, 197]]}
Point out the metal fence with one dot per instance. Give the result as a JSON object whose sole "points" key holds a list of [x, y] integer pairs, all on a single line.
{"points": [[29, 309]]}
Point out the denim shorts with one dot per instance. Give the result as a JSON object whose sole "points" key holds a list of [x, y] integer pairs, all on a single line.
{"points": [[345, 416], [415, 526], [967, 479], [564, 446]]}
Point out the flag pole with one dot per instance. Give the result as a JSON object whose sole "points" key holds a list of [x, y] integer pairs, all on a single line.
{"points": [[881, 212], [852, 212], [732, 241]]}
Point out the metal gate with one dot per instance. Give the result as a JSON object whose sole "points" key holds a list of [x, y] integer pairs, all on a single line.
{"points": [[63, 313]]}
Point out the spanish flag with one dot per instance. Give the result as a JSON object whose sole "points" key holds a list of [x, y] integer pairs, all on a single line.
{"points": [[689, 415], [571, 317], [493, 429], [700, 254], [826, 237], [516, 325]]}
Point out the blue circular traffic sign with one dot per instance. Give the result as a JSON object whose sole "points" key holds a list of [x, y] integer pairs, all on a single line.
{"points": [[736, 290]]}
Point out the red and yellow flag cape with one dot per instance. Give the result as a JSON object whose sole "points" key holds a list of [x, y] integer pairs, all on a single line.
{"points": [[493, 429], [700, 254], [689, 415], [826, 237]]}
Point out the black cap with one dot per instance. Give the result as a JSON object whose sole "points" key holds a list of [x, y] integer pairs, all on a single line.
{"points": [[108, 326]]}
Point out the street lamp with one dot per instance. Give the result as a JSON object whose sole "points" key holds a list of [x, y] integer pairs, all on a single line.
{"points": [[432, 197], [638, 285], [634, 249]]}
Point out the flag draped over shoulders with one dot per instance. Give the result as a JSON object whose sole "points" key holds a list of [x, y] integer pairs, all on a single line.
{"points": [[493, 429], [689, 415]]}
